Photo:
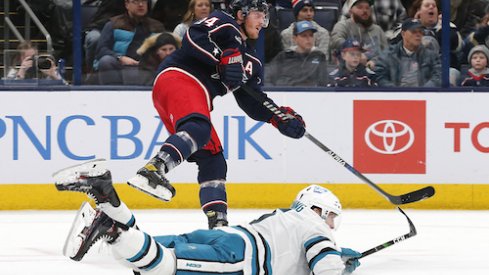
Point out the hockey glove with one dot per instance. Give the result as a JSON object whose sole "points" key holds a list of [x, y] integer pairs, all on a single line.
{"points": [[350, 257], [231, 68], [293, 126]]}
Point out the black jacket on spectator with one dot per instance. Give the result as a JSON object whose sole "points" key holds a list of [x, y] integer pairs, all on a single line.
{"points": [[360, 77], [476, 80], [169, 12]]}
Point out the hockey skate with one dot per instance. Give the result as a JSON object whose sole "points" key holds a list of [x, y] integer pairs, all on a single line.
{"points": [[89, 227], [91, 178], [151, 180]]}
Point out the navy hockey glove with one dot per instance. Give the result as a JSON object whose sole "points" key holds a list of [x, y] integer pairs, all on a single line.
{"points": [[293, 126], [231, 68], [350, 257]]}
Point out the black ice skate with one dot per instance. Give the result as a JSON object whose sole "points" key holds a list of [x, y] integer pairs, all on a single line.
{"points": [[89, 227], [216, 219], [151, 180], [91, 178]]}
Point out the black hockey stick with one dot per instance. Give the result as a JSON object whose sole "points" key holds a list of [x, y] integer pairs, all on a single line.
{"points": [[412, 233], [410, 197]]}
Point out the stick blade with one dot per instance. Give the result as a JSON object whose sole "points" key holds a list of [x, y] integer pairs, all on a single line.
{"points": [[418, 195]]}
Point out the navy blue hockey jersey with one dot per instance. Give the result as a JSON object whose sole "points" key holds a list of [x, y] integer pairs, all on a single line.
{"points": [[200, 54]]}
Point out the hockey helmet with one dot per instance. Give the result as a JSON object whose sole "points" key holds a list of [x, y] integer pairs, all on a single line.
{"points": [[245, 6], [322, 198]]}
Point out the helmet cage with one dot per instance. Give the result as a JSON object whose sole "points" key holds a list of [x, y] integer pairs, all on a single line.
{"points": [[247, 6]]}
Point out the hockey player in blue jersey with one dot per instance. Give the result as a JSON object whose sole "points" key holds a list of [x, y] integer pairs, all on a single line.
{"points": [[216, 58], [295, 241]]}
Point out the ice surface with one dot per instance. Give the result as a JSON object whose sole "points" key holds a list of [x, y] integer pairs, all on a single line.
{"points": [[448, 242]]}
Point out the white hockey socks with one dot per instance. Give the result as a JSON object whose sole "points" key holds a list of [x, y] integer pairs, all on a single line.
{"points": [[143, 253]]}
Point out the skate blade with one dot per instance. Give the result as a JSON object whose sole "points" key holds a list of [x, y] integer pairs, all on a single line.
{"points": [[141, 183], [74, 240], [91, 168]]}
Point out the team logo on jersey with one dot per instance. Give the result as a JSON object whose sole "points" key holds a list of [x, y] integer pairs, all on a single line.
{"points": [[249, 67], [390, 136]]}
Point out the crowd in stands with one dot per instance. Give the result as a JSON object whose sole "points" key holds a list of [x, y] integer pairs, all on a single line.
{"points": [[26, 63], [384, 43]]}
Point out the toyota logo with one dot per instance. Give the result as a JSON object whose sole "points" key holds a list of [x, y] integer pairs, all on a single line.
{"points": [[390, 131]]}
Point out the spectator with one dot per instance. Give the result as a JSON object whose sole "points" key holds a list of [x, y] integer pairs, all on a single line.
{"points": [[28, 64], [351, 72], [478, 36], [169, 12], [388, 14], [478, 74], [304, 10], [197, 9], [428, 14], [407, 4], [300, 65], [120, 38], [273, 42], [153, 51], [360, 27], [408, 63], [467, 14], [106, 10]]}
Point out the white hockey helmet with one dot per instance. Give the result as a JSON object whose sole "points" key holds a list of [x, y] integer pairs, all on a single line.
{"points": [[322, 198]]}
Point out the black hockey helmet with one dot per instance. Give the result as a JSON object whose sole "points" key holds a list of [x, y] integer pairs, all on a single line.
{"points": [[245, 6]]}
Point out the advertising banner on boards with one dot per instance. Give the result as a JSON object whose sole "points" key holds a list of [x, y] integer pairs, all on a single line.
{"points": [[391, 137]]}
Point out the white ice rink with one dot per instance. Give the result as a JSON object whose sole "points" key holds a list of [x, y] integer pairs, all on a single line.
{"points": [[448, 242]]}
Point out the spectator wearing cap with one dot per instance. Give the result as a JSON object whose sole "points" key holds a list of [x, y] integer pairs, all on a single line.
{"points": [[408, 63], [428, 13], [305, 10], [360, 27], [478, 73], [153, 52], [350, 72], [299, 65], [388, 14]]}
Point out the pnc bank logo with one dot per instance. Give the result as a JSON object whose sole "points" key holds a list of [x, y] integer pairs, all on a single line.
{"points": [[389, 136], [391, 133]]}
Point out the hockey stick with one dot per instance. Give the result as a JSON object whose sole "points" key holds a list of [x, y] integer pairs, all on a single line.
{"points": [[412, 233], [410, 197]]}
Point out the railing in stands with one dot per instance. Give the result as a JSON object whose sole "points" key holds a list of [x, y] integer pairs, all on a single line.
{"points": [[29, 16]]}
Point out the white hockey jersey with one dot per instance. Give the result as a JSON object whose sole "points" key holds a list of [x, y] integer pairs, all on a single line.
{"points": [[291, 242]]}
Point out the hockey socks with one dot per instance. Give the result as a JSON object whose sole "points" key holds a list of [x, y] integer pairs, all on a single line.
{"points": [[143, 253], [191, 136], [214, 202]]}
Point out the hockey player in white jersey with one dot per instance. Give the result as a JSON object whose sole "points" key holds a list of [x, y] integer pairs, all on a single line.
{"points": [[294, 241]]}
